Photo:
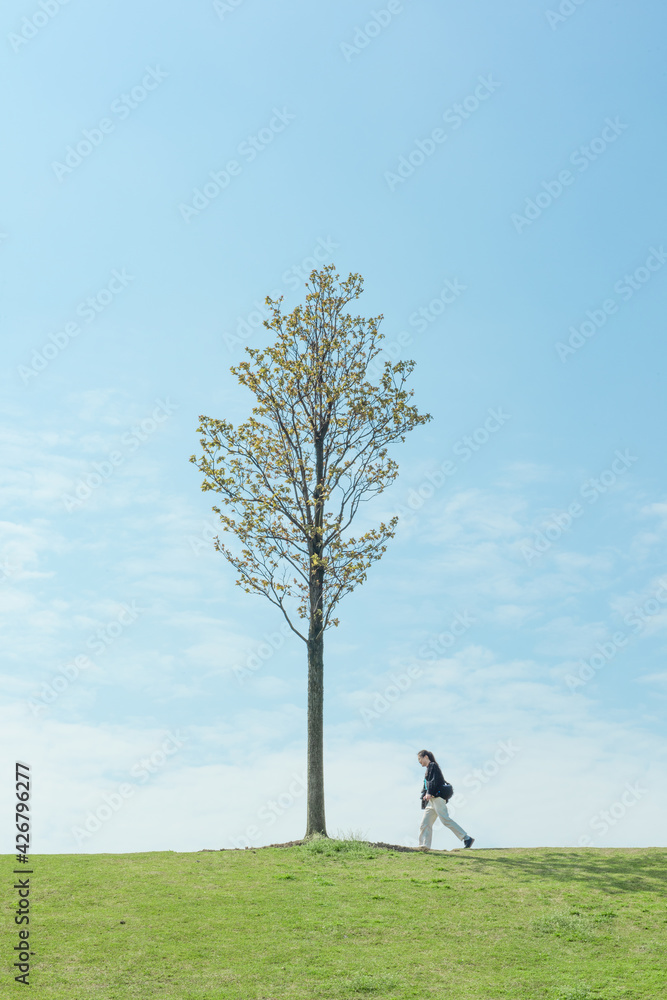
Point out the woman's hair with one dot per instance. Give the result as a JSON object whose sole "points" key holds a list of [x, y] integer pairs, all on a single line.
{"points": [[427, 753]]}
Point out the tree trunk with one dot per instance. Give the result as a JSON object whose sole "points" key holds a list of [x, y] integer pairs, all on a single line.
{"points": [[315, 807]]}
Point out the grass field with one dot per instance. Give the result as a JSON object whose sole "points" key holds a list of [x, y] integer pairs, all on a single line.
{"points": [[343, 920]]}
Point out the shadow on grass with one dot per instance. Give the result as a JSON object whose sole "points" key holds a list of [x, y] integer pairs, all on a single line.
{"points": [[613, 873]]}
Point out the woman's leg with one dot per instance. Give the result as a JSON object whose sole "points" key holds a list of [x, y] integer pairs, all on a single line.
{"points": [[426, 828], [443, 812]]}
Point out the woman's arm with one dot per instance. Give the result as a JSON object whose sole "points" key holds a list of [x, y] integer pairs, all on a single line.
{"points": [[434, 778], [429, 777]]}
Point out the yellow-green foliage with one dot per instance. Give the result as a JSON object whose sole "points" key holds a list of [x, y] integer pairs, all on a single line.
{"points": [[316, 445]]}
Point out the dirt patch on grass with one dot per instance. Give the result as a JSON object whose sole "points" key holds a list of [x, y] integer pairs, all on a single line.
{"points": [[394, 847], [296, 843]]}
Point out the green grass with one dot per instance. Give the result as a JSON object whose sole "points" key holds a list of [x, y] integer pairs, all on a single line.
{"points": [[344, 920]]}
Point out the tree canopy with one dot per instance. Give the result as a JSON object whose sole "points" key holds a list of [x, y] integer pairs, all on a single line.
{"points": [[294, 474]]}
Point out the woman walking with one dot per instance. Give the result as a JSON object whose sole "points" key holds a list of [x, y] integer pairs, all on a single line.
{"points": [[435, 804]]}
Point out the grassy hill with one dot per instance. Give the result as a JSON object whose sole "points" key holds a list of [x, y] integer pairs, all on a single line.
{"points": [[345, 920]]}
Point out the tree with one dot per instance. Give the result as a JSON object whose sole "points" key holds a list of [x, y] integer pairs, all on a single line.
{"points": [[293, 475]]}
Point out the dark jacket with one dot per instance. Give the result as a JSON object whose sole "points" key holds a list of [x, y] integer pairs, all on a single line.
{"points": [[434, 782]]}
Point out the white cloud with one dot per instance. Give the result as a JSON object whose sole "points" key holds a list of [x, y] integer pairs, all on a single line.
{"points": [[571, 767], [659, 679]]}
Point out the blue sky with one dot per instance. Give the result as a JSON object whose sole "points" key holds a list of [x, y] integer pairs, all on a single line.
{"points": [[495, 173]]}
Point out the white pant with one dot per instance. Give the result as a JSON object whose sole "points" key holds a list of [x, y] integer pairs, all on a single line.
{"points": [[434, 808]]}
